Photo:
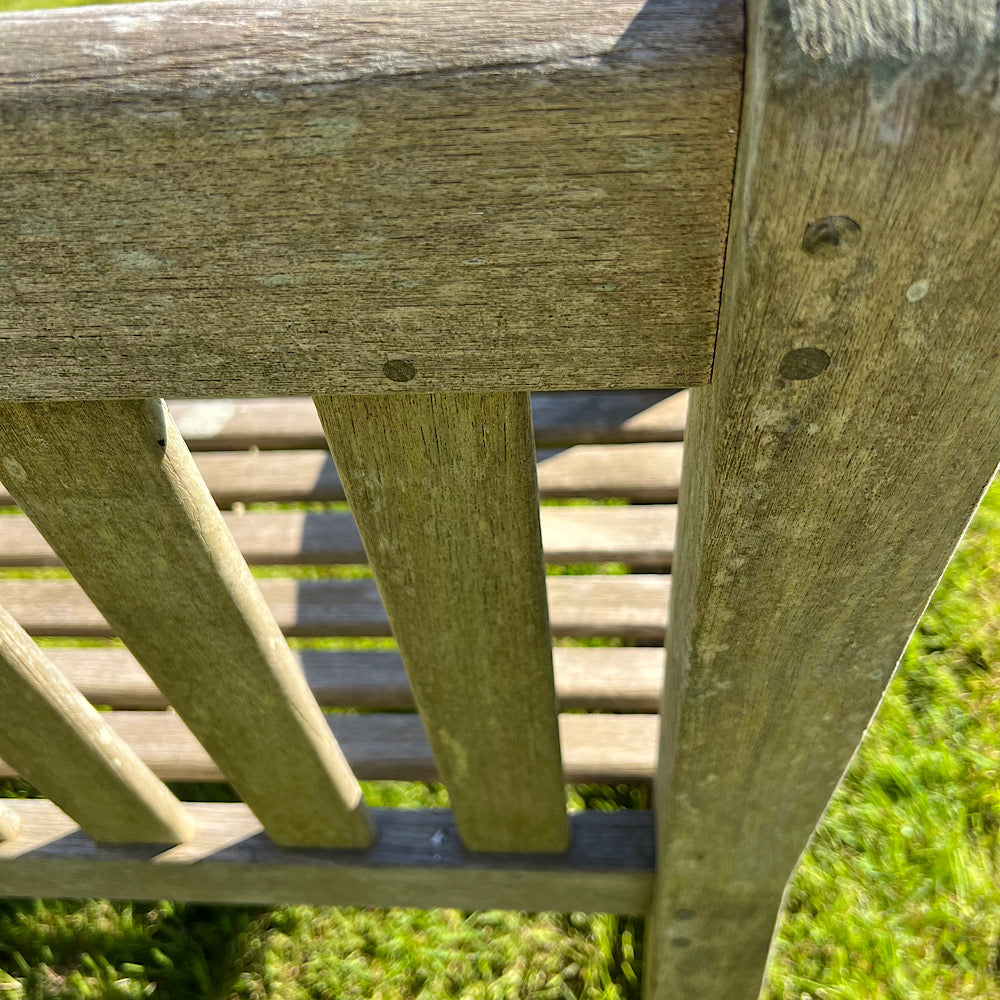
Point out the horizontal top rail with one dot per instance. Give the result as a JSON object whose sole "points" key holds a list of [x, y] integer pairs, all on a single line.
{"points": [[212, 199], [224, 46]]}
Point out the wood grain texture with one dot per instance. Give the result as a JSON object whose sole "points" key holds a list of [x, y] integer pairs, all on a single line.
{"points": [[596, 748], [114, 490], [580, 607], [529, 195], [417, 860], [851, 427], [559, 419], [592, 680], [444, 492], [61, 744], [642, 537]]}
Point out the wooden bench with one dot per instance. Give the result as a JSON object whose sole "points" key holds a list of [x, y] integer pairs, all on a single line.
{"points": [[418, 213]]}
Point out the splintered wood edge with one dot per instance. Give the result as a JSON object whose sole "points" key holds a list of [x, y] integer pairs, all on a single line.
{"points": [[417, 860]]}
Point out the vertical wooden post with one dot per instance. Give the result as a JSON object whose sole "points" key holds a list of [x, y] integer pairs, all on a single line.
{"points": [[444, 491], [852, 425]]}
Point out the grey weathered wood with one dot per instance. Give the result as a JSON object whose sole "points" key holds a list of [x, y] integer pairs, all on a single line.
{"points": [[444, 492], [587, 679], [642, 537], [422, 190], [852, 424], [417, 860], [559, 419], [113, 488], [10, 823], [642, 473], [596, 748], [627, 607], [61, 744]]}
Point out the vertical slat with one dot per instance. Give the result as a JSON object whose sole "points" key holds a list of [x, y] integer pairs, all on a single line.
{"points": [[10, 823], [852, 424], [56, 740], [112, 487], [444, 492]]}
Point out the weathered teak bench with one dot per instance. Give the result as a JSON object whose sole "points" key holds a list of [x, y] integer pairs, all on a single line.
{"points": [[416, 212]]}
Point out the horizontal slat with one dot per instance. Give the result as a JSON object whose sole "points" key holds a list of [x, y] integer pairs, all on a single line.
{"points": [[560, 419], [416, 861], [216, 199], [613, 680], [606, 749], [642, 473], [640, 536], [633, 607]]}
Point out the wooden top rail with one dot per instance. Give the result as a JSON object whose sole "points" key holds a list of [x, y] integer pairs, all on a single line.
{"points": [[217, 199]]}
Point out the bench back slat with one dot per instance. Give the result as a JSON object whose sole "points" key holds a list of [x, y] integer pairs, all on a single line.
{"points": [[444, 492], [113, 488], [61, 744]]}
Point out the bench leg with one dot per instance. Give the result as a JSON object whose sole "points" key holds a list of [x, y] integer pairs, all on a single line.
{"points": [[852, 424]]}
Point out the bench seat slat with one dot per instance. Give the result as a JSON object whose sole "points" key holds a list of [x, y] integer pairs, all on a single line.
{"points": [[416, 861], [611, 680], [596, 748], [628, 607], [10, 822], [560, 419], [641, 536], [641, 473]]}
